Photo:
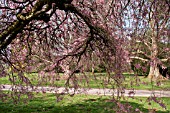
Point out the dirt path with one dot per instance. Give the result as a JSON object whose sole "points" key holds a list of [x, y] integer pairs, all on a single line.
{"points": [[92, 91]]}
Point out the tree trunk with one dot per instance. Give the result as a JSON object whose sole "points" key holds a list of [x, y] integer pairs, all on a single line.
{"points": [[154, 72], [92, 69]]}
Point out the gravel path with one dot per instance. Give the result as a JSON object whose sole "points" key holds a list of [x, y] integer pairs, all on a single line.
{"points": [[91, 91]]}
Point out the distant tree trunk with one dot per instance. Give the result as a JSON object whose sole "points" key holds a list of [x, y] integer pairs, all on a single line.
{"points": [[154, 70], [92, 69], [67, 71]]}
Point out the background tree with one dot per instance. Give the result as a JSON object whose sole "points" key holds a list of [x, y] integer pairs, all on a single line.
{"points": [[151, 31]]}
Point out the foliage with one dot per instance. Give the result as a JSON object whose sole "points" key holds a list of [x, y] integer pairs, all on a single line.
{"points": [[140, 68]]}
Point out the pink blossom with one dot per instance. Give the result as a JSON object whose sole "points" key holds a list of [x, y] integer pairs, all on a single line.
{"points": [[137, 66]]}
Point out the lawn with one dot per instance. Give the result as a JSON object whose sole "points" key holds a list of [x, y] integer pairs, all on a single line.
{"points": [[47, 103], [98, 80]]}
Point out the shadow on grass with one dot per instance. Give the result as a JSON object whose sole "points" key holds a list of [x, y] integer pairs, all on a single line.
{"points": [[47, 104], [100, 106]]}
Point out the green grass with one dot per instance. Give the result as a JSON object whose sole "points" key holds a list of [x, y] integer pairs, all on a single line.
{"points": [[99, 81], [142, 82], [46, 103]]}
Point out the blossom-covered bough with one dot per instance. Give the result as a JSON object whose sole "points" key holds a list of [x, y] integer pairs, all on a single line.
{"points": [[43, 36], [58, 28]]}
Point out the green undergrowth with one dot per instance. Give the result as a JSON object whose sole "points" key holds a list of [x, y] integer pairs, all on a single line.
{"points": [[47, 103]]}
